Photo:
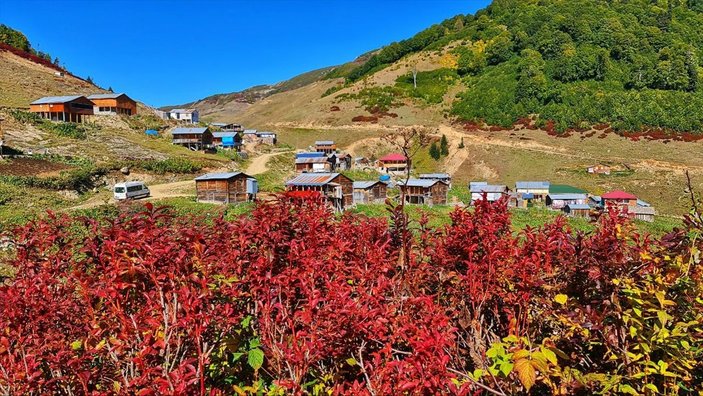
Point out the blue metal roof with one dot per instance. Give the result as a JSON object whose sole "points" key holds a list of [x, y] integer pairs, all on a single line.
{"points": [[183, 131], [218, 176], [56, 99], [309, 155]]}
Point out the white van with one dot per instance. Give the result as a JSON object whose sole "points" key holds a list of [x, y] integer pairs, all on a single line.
{"points": [[131, 190]]}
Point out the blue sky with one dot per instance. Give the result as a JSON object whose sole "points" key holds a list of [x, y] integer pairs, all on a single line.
{"points": [[173, 52]]}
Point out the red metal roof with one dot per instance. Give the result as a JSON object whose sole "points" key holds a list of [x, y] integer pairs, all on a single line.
{"points": [[393, 157], [617, 194]]}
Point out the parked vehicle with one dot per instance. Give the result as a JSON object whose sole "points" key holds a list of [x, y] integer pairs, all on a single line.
{"points": [[131, 190]]}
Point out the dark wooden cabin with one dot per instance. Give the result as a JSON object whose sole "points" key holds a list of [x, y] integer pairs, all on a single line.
{"points": [[335, 187], [228, 188], [425, 192], [370, 192], [193, 138]]}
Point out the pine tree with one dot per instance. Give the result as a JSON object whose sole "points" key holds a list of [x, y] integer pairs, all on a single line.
{"points": [[90, 80], [434, 151], [444, 146]]}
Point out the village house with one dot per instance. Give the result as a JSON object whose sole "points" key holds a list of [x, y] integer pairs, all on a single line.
{"points": [[227, 127], [394, 162], [599, 169], [73, 108], [267, 138], [336, 188], [577, 210], [366, 192], [232, 187], [227, 140], [313, 164], [643, 213], [325, 146], [445, 177], [193, 138], [494, 192], [618, 198], [340, 161], [113, 104], [559, 201], [188, 116], [537, 190], [425, 192]]}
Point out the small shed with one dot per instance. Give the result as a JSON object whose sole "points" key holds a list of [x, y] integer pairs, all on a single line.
{"points": [[643, 213], [559, 201], [335, 187], [325, 146], [267, 137], [231, 187], [228, 140], [445, 177], [370, 192], [493, 192], [577, 210], [425, 192], [313, 164], [193, 138]]}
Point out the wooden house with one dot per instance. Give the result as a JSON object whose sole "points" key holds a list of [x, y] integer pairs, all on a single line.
{"points": [[394, 162], [577, 210], [113, 104], [63, 108], [366, 192], [313, 164], [227, 140], [493, 192], [233, 187], [188, 116], [643, 213], [193, 138], [336, 188], [445, 177], [227, 127], [559, 201], [340, 161], [425, 192], [325, 146], [618, 198], [267, 138], [537, 190]]}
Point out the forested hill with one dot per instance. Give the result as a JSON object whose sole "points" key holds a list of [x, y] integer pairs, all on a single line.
{"points": [[633, 64]]}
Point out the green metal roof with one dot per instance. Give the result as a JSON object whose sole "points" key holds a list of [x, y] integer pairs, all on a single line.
{"points": [[565, 189]]}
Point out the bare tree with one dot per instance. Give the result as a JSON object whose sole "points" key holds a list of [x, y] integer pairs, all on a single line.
{"points": [[414, 71]]}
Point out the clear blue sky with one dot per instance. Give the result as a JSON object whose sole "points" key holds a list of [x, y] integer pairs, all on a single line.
{"points": [[173, 52]]}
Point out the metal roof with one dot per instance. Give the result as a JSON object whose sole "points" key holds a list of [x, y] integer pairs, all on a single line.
{"points": [[618, 194], [644, 210], [183, 111], [324, 142], [313, 154], [489, 188], [578, 207], [435, 176], [57, 99], [312, 179], [425, 183], [311, 160], [535, 185], [183, 131], [393, 157], [106, 96], [567, 197], [224, 134], [219, 176], [643, 203], [363, 185], [475, 185], [266, 134], [249, 131], [564, 189]]}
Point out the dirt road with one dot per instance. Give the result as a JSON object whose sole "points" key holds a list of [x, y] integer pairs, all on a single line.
{"points": [[258, 164]]}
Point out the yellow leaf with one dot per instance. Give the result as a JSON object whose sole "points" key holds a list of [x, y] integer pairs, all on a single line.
{"points": [[561, 298], [525, 372]]}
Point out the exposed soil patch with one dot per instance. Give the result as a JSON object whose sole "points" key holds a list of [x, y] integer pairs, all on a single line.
{"points": [[32, 167]]}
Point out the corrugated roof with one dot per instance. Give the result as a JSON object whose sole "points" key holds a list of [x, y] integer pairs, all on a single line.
{"points": [[363, 185], [250, 131], [425, 183], [564, 189], [311, 160], [435, 176], [393, 157], [224, 134], [532, 185], [643, 203], [183, 131], [105, 96], [578, 207], [183, 111], [645, 210], [312, 179], [56, 99], [324, 142], [314, 154], [218, 176], [567, 197], [617, 194], [489, 188]]}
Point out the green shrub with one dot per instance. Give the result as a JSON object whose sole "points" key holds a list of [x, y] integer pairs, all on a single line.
{"points": [[431, 85], [170, 165]]}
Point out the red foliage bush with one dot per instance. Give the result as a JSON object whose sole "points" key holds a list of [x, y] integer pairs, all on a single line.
{"points": [[152, 304]]}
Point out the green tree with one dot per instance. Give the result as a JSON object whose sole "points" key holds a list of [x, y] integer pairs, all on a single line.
{"points": [[14, 38], [692, 68], [434, 151], [444, 146]]}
